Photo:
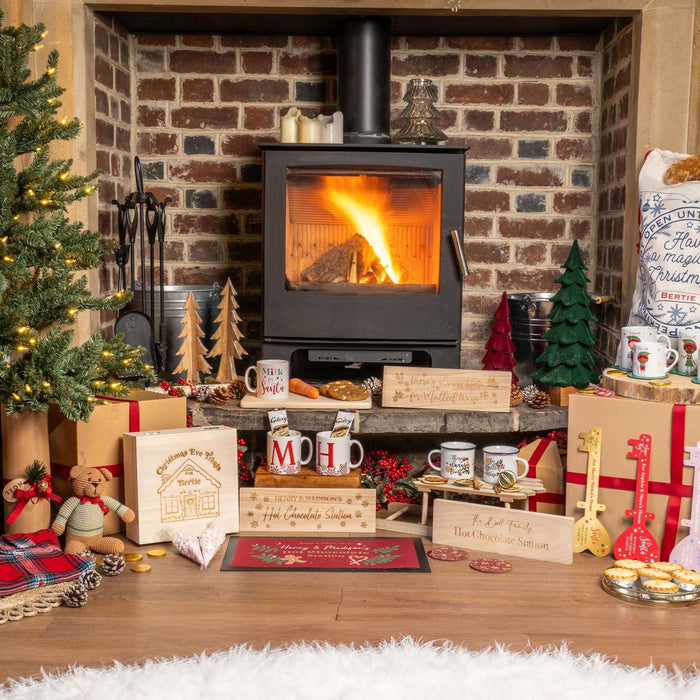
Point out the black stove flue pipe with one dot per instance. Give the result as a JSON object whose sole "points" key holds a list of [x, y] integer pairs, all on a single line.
{"points": [[364, 73]]}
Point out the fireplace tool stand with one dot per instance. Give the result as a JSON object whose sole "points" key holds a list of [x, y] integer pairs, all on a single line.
{"points": [[141, 222]]}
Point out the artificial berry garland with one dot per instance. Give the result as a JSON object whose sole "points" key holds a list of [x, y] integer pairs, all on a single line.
{"points": [[392, 480]]}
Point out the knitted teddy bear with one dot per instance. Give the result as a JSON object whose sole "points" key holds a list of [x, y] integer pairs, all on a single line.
{"points": [[82, 516]]}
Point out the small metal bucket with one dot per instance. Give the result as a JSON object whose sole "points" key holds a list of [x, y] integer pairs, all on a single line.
{"points": [[527, 313]]}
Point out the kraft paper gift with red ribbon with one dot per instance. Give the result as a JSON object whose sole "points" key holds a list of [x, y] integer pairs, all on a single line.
{"points": [[671, 427], [546, 465], [98, 442]]}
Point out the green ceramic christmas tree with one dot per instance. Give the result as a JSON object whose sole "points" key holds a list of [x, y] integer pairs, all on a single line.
{"points": [[568, 359], [43, 254]]}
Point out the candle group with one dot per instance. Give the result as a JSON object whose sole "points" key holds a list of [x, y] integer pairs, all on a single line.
{"points": [[296, 128]]}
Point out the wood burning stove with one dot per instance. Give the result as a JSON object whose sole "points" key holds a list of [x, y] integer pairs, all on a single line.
{"points": [[360, 253]]}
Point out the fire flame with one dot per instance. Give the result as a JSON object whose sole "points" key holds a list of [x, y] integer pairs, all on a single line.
{"points": [[362, 202]]}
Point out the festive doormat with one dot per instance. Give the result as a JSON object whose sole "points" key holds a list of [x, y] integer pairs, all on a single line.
{"points": [[322, 554]]}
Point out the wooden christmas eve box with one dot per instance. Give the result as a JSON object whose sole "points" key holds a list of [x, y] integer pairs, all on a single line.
{"points": [[307, 478]]}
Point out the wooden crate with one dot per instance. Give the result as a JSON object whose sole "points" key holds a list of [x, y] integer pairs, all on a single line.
{"points": [[180, 481]]}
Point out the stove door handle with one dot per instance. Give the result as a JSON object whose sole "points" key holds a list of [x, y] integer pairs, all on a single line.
{"points": [[459, 252]]}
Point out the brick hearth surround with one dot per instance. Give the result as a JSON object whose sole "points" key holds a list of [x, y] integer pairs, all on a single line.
{"points": [[555, 130]]}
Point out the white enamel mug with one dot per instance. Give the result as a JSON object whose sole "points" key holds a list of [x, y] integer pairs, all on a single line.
{"points": [[502, 458], [456, 459]]}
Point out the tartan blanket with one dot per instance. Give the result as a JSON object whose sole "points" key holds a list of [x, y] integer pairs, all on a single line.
{"points": [[31, 560]]}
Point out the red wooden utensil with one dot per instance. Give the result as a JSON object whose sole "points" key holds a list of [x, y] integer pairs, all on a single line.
{"points": [[687, 551], [636, 541]]}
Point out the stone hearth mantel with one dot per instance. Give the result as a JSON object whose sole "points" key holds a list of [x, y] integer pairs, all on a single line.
{"points": [[391, 421]]}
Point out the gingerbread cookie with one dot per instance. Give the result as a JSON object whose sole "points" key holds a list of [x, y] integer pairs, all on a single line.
{"points": [[344, 390]]}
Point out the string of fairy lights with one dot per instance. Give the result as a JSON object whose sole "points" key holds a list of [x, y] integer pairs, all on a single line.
{"points": [[49, 187]]}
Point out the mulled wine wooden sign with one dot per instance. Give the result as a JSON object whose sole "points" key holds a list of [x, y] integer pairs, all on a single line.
{"points": [[518, 533], [307, 510], [453, 389]]}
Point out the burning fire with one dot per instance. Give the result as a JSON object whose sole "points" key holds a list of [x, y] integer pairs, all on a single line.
{"points": [[362, 200]]}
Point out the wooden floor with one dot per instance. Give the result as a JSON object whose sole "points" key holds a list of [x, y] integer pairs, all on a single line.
{"points": [[176, 609]]}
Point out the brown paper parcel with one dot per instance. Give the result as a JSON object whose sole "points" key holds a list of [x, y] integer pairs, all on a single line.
{"points": [[545, 464], [98, 442], [671, 427]]}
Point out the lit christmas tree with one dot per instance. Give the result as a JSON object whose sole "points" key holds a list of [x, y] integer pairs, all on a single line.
{"points": [[500, 347], [568, 359], [43, 253]]}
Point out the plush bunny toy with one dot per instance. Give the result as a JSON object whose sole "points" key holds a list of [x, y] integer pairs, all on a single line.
{"points": [[82, 516]]}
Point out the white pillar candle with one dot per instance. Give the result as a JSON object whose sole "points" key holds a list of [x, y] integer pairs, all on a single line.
{"points": [[336, 127], [309, 130], [289, 126], [326, 122]]}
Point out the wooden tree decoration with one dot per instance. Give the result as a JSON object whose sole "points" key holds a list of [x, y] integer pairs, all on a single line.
{"points": [[568, 359], [500, 347], [192, 349], [227, 336]]}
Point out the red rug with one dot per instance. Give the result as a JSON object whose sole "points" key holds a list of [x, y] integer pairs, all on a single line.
{"points": [[325, 554]]}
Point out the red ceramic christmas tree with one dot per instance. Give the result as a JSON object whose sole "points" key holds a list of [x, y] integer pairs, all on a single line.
{"points": [[500, 347]]}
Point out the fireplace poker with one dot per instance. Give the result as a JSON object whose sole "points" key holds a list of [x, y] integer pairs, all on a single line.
{"points": [[141, 201], [152, 225], [162, 327]]}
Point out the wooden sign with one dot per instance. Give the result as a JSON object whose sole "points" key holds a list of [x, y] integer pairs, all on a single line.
{"points": [[307, 510], [507, 531], [454, 389], [180, 481]]}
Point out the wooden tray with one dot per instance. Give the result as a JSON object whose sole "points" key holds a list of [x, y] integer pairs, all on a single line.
{"points": [[680, 390], [322, 403]]}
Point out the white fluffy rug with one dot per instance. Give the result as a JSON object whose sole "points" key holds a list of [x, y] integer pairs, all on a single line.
{"points": [[396, 670]]}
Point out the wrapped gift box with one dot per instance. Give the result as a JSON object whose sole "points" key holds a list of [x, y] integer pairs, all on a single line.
{"points": [[180, 481], [671, 427], [545, 464], [98, 442]]}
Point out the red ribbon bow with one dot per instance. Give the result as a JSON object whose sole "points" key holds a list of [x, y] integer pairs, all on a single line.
{"points": [[95, 499], [32, 493]]}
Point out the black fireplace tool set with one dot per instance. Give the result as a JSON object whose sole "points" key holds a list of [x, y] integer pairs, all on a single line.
{"points": [[141, 223]]}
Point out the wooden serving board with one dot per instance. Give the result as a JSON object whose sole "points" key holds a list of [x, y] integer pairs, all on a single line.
{"points": [[322, 403], [305, 479], [680, 390]]}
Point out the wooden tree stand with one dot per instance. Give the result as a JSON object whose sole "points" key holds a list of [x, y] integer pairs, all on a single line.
{"points": [[559, 395]]}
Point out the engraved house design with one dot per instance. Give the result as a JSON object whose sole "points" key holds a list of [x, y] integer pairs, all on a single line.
{"points": [[188, 494]]}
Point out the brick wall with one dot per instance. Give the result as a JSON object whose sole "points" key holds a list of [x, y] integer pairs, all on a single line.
{"points": [[612, 168], [528, 107]]}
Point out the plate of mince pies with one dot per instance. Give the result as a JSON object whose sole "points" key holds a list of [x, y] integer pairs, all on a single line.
{"points": [[650, 583]]}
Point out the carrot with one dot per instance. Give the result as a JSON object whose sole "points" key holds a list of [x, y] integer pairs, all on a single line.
{"points": [[298, 386]]}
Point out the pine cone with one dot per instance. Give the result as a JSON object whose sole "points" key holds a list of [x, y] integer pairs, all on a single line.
{"points": [[90, 579], [75, 596], [373, 385], [237, 389], [113, 564], [219, 396], [201, 393], [87, 554], [516, 396], [539, 400], [528, 392]]}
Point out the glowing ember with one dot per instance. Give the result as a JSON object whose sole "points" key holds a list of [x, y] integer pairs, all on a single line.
{"points": [[362, 201]]}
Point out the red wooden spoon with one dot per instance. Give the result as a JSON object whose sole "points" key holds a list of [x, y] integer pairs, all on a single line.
{"points": [[636, 542]]}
